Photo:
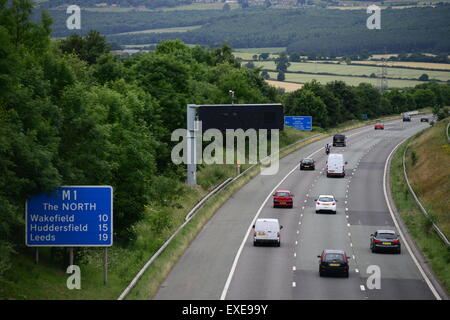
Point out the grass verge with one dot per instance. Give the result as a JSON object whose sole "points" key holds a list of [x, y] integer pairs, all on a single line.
{"points": [[419, 227]]}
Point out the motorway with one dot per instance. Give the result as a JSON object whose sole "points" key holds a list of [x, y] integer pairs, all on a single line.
{"points": [[222, 263]]}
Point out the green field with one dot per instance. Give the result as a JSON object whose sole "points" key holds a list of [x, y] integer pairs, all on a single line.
{"points": [[354, 81], [163, 30], [202, 6], [260, 50], [356, 70], [114, 9]]}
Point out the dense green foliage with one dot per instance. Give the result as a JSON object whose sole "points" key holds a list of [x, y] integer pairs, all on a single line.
{"points": [[336, 102], [419, 57], [309, 31], [71, 113]]}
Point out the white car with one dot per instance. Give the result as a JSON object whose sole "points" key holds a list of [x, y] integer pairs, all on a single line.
{"points": [[325, 203], [267, 231]]}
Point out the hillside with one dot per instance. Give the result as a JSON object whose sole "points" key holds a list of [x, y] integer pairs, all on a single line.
{"points": [[302, 30], [429, 173]]}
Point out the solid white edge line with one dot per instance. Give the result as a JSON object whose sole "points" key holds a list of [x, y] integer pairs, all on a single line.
{"points": [[241, 247], [427, 280]]}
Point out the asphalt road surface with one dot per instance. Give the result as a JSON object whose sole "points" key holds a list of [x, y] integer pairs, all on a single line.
{"points": [[223, 263]]}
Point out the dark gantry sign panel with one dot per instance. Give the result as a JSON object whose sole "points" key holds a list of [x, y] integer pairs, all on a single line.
{"points": [[242, 116]]}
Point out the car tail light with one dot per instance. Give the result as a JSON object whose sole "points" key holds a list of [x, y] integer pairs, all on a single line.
{"points": [[396, 241], [318, 202], [334, 203], [278, 234], [254, 233], [377, 241]]}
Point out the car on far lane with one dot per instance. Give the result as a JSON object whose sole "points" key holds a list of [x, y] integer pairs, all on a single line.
{"points": [[339, 140], [326, 203], [283, 198], [267, 231], [406, 118], [379, 126], [423, 119], [307, 163], [333, 262], [385, 240]]}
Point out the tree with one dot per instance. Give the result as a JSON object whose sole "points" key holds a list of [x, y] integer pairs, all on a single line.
{"points": [[265, 74], [250, 65], [281, 76], [295, 57], [264, 56], [88, 48], [423, 77], [226, 7], [369, 99], [303, 102], [244, 3], [398, 101], [108, 69], [424, 98], [282, 62]]}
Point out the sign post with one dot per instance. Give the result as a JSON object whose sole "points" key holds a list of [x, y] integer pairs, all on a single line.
{"points": [[71, 216], [299, 122]]}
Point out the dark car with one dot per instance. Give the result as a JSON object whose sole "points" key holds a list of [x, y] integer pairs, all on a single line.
{"points": [[406, 118], [307, 164], [423, 119], [385, 240], [333, 262], [339, 140]]}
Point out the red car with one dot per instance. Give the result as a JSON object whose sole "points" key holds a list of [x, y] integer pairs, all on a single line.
{"points": [[379, 126], [283, 198]]}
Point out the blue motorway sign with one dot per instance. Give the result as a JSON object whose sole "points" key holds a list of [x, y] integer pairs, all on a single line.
{"points": [[299, 122], [71, 216]]}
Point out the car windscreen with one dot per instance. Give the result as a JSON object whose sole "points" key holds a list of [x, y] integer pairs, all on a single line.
{"points": [[326, 199], [282, 194], [387, 236], [307, 161], [330, 257], [340, 138]]}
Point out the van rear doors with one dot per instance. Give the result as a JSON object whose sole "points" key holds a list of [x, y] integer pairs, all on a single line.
{"points": [[335, 165]]}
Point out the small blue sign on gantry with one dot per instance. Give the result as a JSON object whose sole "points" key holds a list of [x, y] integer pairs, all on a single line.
{"points": [[299, 122], [71, 216]]}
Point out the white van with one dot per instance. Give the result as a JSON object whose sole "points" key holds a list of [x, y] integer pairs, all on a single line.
{"points": [[336, 165], [266, 231]]}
